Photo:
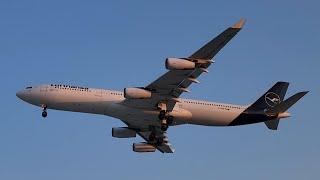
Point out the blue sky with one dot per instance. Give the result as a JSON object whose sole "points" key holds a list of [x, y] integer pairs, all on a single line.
{"points": [[117, 44]]}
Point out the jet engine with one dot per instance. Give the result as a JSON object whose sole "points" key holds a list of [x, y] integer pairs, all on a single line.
{"points": [[136, 93], [179, 64], [143, 147], [123, 132]]}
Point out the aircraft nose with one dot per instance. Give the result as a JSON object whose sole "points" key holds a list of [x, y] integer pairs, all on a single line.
{"points": [[22, 95]]}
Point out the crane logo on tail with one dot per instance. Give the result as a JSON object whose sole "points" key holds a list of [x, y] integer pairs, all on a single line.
{"points": [[272, 99]]}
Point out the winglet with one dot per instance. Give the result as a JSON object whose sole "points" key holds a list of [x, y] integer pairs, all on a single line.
{"points": [[239, 24]]}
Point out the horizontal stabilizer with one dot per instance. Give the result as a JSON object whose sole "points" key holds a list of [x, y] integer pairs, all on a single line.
{"points": [[272, 124], [285, 105]]}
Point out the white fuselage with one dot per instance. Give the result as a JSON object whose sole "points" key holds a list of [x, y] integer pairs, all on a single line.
{"points": [[112, 103]]}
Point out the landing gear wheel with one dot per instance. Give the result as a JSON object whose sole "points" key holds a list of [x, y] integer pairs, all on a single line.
{"points": [[164, 127], [170, 120], [162, 114], [44, 114]]}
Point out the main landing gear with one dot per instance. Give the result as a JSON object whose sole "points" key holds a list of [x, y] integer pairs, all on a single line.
{"points": [[165, 120], [157, 134], [44, 111]]}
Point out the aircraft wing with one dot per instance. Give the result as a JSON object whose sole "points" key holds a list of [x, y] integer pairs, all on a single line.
{"points": [[168, 88], [172, 84]]}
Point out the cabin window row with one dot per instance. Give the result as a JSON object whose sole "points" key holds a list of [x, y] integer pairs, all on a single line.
{"points": [[210, 104], [60, 86]]}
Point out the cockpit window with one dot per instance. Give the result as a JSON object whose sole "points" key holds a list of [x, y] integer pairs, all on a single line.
{"points": [[29, 87]]}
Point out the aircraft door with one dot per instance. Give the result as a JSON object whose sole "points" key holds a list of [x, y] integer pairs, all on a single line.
{"points": [[98, 93], [43, 89]]}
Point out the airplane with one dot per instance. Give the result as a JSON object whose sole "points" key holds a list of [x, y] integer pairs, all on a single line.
{"points": [[149, 111]]}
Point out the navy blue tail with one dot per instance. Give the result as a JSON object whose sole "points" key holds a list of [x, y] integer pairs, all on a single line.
{"points": [[255, 112], [271, 98]]}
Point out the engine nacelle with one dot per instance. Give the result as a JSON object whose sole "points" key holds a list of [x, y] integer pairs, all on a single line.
{"points": [[136, 93], [123, 132], [179, 64], [143, 147]]}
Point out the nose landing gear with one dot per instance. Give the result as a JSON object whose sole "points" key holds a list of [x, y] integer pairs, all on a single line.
{"points": [[44, 114], [44, 111]]}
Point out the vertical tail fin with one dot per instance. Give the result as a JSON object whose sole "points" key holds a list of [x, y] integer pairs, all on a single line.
{"points": [[271, 98]]}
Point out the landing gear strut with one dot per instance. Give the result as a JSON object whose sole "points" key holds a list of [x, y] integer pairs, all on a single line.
{"points": [[44, 111], [162, 115]]}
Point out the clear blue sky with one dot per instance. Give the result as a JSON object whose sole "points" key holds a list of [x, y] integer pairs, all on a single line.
{"points": [[117, 44]]}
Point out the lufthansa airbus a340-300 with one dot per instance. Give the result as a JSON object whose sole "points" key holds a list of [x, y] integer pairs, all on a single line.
{"points": [[149, 111]]}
